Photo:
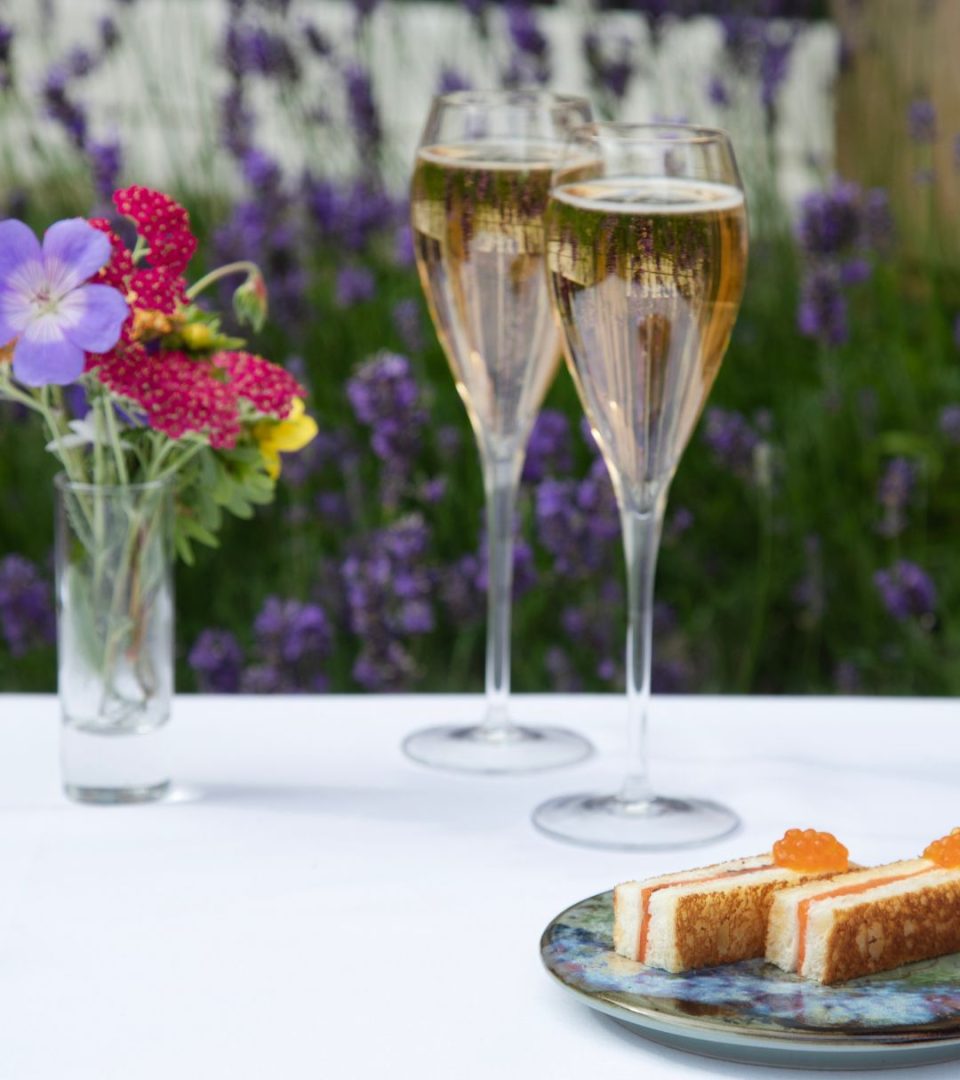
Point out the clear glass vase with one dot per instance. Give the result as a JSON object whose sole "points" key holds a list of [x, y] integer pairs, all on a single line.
{"points": [[115, 617]]}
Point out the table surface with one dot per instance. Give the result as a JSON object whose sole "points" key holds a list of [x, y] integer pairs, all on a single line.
{"points": [[311, 904]]}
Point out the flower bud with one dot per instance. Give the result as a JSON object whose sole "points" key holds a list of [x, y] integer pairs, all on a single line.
{"points": [[250, 301]]}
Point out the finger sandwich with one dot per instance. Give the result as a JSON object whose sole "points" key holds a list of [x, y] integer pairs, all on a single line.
{"points": [[870, 920], [716, 914]]}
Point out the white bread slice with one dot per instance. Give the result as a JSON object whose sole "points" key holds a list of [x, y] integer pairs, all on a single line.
{"points": [[782, 945], [915, 917], [628, 899], [699, 918]]}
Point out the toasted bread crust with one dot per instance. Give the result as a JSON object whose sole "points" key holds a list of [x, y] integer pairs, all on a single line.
{"points": [[882, 934], [723, 927]]}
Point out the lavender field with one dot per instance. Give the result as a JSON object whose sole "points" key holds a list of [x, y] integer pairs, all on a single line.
{"points": [[811, 539]]}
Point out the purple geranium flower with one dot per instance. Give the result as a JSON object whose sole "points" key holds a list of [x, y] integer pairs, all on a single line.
{"points": [[46, 305]]}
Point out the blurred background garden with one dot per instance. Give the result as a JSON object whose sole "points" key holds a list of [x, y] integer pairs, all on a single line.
{"points": [[811, 541]]}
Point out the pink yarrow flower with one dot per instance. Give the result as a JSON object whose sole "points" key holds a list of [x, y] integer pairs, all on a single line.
{"points": [[48, 311]]}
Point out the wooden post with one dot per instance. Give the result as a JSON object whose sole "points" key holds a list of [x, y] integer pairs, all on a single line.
{"points": [[896, 53]]}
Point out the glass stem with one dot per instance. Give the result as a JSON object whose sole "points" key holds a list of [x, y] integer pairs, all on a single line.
{"points": [[641, 541], [500, 477]]}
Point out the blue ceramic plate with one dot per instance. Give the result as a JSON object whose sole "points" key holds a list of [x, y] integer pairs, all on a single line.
{"points": [[753, 1011]]}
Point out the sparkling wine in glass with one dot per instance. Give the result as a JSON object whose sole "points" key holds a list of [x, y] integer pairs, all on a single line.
{"points": [[646, 258], [480, 186]]}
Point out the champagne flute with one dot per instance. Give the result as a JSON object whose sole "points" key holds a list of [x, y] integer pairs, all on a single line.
{"points": [[646, 260], [480, 185]]}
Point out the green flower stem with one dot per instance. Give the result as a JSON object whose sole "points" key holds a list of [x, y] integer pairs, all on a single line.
{"points": [[99, 422], [188, 455], [113, 433], [243, 266]]}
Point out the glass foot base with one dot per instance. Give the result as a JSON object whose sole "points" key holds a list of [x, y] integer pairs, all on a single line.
{"points": [[507, 749], [609, 821], [112, 796]]}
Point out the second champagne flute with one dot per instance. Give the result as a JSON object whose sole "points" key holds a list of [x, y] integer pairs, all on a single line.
{"points": [[647, 258], [479, 191]]}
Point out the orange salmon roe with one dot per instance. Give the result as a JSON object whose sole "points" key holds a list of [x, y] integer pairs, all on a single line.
{"points": [[945, 852], [807, 850]]}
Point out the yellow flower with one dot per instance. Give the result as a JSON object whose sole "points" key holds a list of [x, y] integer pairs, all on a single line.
{"points": [[276, 437], [197, 336], [149, 324]]}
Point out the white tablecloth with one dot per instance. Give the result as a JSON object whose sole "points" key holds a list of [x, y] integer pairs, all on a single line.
{"points": [[313, 905]]}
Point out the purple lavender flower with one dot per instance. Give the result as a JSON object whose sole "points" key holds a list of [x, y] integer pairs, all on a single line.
{"points": [[264, 228], [855, 272], [549, 451], [61, 108], [46, 304], [385, 397], [261, 171], [6, 43], [384, 667], [878, 227], [578, 522], [530, 60], [561, 671], [255, 50], [389, 595], [847, 678], [451, 80], [831, 221], [523, 30], [922, 120], [956, 331], [353, 214], [317, 41], [106, 161], [408, 324], [950, 423], [26, 606], [459, 594], [290, 631], [610, 63], [355, 285], [732, 440], [362, 110], [217, 659], [403, 253], [594, 634], [236, 121], [6, 50], [774, 64], [432, 490], [808, 593], [679, 523], [266, 679], [108, 33], [823, 309], [894, 492], [79, 62], [363, 9], [292, 640], [907, 592], [717, 92], [524, 567], [449, 440]]}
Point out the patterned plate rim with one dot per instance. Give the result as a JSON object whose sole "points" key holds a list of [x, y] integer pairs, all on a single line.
{"points": [[882, 1038]]}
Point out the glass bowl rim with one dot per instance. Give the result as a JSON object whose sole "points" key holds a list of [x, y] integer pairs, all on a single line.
{"points": [[653, 133]]}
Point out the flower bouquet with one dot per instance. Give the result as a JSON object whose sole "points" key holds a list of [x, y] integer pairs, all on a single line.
{"points": [[161, 424]]}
